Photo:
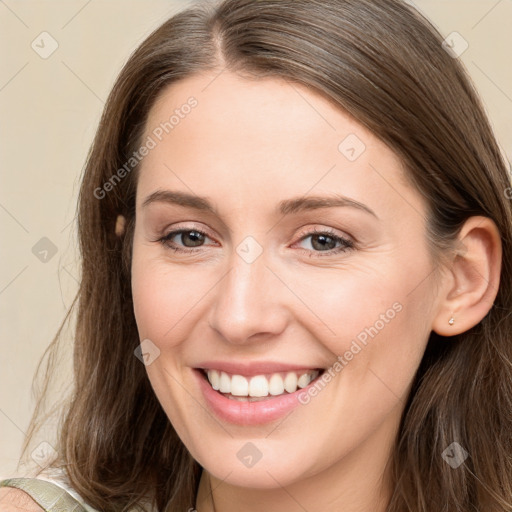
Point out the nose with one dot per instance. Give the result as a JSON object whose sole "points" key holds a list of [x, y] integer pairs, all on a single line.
{"points": [[249, 304]]}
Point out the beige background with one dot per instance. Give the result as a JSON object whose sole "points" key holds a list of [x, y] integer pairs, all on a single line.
{"points": [[50, 109]]}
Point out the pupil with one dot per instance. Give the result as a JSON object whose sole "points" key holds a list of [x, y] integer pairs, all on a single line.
{"points": [[323, 244], [197, 238]]}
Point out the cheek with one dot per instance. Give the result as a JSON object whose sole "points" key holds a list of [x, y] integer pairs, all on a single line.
{"points": [[375, 321], [163, 299], [160, 299], [351, 303], [166, 297]]}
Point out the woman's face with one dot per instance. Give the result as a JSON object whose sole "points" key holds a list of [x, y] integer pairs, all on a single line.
{"points": [[276, 275]]}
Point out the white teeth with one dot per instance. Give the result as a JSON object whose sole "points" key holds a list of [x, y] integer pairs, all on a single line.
{"points": [[214, 378], [239, 386], [303, 380], [290, 382], [260, 385], [276, 385], [224, 383]]}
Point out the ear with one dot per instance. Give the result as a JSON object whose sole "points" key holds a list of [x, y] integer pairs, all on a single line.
{"points": [[120, 224], [473, 277]]}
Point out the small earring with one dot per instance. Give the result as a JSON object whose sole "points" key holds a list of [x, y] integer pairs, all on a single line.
{"points": [[451, 321]]}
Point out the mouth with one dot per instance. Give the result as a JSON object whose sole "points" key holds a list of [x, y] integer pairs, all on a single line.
{"points": [[261, 387]]}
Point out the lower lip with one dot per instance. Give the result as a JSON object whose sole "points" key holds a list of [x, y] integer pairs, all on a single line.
{"points": [[249, 413]]}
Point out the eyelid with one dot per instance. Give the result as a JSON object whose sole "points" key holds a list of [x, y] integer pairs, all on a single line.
{"points": [[188, 227], [326, 230], [347, 242]]}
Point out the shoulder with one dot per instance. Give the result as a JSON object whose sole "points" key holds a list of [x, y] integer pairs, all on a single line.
{"points": [[16, 500]]}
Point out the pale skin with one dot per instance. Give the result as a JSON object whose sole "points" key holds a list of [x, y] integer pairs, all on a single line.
{"points": [[247, 146]]}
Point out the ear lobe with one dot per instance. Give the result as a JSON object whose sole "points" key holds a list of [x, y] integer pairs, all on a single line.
{"points": [[474, 278], [120, 225]]}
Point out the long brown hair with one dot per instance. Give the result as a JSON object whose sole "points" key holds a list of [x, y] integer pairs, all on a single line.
{"points": [[383, 63]]}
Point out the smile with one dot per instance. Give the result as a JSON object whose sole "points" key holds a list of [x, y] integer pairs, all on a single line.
{"points": [[258, 387], [247, 410], [256, 394]]}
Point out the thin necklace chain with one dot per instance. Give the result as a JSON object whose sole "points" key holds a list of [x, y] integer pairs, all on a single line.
{"points": [[211, 492]]}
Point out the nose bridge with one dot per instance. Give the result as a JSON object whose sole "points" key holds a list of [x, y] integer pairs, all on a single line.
{"points": [[247, 302]]}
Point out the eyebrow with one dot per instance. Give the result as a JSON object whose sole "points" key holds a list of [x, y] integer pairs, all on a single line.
{"points": [[285, 207]]}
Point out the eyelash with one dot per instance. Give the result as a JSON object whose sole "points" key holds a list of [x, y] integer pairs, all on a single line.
{"points": [[346, 244]]}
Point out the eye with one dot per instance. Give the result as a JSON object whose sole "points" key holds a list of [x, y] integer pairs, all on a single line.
{"points": [[326, 241], [190, 238]]}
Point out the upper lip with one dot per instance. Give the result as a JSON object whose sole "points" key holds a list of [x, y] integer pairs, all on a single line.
{"points": [[253, 368]]}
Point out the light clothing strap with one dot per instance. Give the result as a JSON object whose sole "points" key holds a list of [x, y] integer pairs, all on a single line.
{"points": [[49, 496]]}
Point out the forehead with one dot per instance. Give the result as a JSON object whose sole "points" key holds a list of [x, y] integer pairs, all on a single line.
{"points": [[231, 109], [267, 135]]}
